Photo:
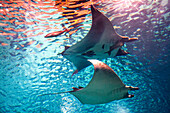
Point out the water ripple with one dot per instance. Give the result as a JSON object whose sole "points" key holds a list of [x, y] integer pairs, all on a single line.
{"points": [[30, 66]]}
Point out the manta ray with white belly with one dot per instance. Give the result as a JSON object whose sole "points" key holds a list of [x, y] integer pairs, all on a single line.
{"points": [[104, 87], [102, 41]]}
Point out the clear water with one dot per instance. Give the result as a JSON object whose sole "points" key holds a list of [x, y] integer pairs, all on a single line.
{"points": [[30, 66]]}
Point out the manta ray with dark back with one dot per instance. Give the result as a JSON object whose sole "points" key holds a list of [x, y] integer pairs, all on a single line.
{"points": [[102, 41], [104, 87]]}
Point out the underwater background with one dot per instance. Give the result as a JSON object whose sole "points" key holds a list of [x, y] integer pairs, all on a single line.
{"points": [[30, 64]]}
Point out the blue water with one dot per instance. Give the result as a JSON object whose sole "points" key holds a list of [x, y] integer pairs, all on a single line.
{"points": [[30, 66]]}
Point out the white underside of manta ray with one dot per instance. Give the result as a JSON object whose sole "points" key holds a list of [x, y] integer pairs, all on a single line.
{"points": [[104, 87], [102, 41]]}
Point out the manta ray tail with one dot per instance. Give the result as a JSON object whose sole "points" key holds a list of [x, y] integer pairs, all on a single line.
{"points": [[54, 93], [74, 89]]}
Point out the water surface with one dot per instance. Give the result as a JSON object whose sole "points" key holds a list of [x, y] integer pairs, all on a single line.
{"points": [[30, 66]]}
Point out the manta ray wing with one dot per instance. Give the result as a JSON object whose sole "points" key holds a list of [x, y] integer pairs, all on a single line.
{"points": [[101, 31], [93, 36], [101, 23], [104, 87], [104, 77]]}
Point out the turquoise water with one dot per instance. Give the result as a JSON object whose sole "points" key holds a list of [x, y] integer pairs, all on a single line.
{"points": [[30, 66]]}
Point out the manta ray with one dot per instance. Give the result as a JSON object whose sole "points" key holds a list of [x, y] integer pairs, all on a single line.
{"points": [[104, 87], [102, 41]]}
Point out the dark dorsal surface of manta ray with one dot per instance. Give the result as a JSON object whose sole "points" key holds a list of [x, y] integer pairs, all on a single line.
{"points": [[102, 41], [104, 87]]}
